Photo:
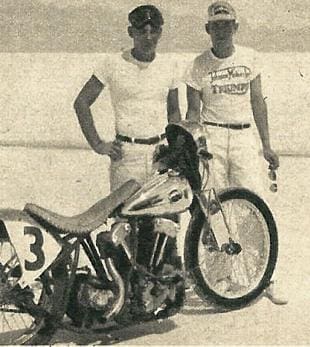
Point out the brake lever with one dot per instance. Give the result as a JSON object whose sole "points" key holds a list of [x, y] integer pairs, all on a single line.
{"points": [[204, 154]]}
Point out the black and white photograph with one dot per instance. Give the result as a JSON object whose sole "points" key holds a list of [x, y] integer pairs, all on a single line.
{"points": [[154, 161]]}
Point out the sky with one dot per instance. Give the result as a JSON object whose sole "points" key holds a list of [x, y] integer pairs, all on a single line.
{"points": [[100, 25], [288, 13]]}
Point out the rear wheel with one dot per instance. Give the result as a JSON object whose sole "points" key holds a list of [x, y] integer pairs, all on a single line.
{"points": [[232, 274], [28, 315]]}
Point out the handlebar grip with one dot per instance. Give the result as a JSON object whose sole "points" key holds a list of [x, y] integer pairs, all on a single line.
{"points": [[273, 178], [204, 154]]}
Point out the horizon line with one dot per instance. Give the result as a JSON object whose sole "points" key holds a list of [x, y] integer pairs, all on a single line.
{"points": [[85, 147]]}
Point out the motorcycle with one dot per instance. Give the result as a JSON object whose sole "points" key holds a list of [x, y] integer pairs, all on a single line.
{"points": [[134, 272]]}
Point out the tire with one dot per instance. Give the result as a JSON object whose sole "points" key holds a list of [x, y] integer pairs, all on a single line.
{"points": [[232, 281], [17, 325]]}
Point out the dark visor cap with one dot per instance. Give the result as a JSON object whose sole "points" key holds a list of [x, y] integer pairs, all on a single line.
{"points": [[145, 14]]}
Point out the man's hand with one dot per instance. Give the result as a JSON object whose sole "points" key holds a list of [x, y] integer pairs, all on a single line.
{"points": [[112, 149], [272, 158]]}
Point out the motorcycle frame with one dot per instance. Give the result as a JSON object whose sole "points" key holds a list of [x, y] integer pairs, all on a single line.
{"points": [[67, 248]]}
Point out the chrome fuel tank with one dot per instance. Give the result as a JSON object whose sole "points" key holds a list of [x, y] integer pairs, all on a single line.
{"points": [[163, 194]]}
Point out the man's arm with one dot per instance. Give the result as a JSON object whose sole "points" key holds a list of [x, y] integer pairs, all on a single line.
{"points": [[193, 104], [260, 113], [82, 104], [173, 108]]}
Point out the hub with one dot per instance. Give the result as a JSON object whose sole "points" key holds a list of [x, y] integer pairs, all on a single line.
{"points": [[231, 248]]}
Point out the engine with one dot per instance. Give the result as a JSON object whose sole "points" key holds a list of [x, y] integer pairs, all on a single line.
{"points": [[89, 300], [145, 257]]}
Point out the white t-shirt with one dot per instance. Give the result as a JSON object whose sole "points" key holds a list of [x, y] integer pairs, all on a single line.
{"points": [[139, 92], [224, 84]]}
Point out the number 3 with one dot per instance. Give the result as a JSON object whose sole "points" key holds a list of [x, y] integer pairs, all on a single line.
{"points": [[35, 248]]}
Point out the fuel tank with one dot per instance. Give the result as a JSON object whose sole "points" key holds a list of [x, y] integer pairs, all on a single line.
{"points": [[163, 194]]}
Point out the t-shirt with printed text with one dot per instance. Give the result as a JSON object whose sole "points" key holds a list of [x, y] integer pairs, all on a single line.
{"points": [[139, 92], [224, 84]]}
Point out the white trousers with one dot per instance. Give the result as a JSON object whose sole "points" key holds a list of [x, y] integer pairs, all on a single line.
{"points": [[236, 161], [136, 163]]}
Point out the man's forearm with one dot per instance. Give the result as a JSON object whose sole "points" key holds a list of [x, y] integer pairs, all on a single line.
{"points": [[173, 108], [87, 123], [193, 104], [261, 119], [193, 115], [259, 108], [174, 117]]}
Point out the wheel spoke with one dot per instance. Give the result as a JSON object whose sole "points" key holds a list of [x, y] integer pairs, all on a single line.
{"points": [[229, 211], [23, 320], [14, 319], [6, 321]]}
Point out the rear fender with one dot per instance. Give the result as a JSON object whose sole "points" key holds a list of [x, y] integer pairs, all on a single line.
{"points": [[35, 247]]}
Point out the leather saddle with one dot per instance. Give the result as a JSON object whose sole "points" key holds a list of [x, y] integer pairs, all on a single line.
{"points": [[89, 220]]}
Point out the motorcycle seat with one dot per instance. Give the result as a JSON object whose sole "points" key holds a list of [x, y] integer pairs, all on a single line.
{"points": [[89, 220]]}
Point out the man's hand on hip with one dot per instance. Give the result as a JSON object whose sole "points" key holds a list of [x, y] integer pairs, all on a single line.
{"points": [[112, 149], [272, 158]]}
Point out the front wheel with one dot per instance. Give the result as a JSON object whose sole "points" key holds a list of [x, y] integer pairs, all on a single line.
{"points": [[232, 276]]}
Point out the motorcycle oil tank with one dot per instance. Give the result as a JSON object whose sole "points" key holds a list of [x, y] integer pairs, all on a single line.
{"points": [[164, 194]]}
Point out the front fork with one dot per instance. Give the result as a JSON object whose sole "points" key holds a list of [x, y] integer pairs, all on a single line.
{"points": [[220, 239]]}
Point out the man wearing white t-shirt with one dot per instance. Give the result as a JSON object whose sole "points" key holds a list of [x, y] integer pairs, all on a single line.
{"points": [[143, 86], [227, 80]]}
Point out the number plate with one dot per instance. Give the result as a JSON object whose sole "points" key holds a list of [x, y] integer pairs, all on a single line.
{"points": [[35, 249]]}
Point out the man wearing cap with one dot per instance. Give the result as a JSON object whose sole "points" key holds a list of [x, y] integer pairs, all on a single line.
{"points": [[227, 81], [143, 87], [144, 93]]}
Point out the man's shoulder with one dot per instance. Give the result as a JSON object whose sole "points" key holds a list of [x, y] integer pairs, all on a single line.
{"points": [[202, 58], [109, 58], [166, 58], [203, 55], [106, 64], [167, 63]]}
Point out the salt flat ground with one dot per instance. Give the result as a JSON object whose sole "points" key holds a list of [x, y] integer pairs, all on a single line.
{"points": [[70, 181], [37, 127]]}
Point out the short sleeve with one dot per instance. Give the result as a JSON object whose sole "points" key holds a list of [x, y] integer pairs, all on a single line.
{"points": [[192, 76], [103, 69]]}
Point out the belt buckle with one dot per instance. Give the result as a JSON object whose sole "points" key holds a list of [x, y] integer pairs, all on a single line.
{"points": [[133, 140]]}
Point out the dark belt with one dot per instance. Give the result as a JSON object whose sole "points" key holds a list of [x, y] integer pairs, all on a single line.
{"points": [[146, 141], [234, 126]]}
